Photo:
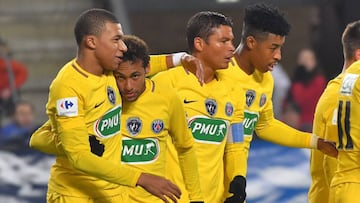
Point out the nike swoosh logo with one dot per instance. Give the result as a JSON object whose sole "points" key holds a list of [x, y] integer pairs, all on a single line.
{"points": [[99, 104], [188, 101]]}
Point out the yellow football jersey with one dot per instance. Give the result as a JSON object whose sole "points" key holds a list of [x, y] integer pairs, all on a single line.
{"points": [[158, 114], [348, 115], [323, 167], [84, 111], [210, 111], [258, 111]]}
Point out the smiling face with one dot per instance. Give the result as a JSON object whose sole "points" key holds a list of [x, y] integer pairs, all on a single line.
{"points": [[266, 52], [130, 79], [110, 46]]}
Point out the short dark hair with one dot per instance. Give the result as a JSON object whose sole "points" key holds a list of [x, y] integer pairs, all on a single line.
{"points": [[262, 19], [92, 22], [351, 39], [137, 50], [201, 25]]}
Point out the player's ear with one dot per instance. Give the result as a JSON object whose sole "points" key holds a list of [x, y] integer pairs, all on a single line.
{"points": [[250, 41], [198, 43], [90, 41], [147, 69], [357, 54]]}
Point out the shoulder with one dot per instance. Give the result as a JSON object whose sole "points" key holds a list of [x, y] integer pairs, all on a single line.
{"points": [[162, 90], [170, 77]]}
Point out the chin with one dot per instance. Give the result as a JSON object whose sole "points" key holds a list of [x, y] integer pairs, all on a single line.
{"points": [[132, 99]]}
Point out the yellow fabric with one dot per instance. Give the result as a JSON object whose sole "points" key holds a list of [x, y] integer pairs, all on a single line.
{"points": [[322, 167], [54, 197], [345, 193], [258, 114], [209, 125], [84, 107], [147, 124], [257, 90], [157, 64], [43, 139], [348, 168], [276, 132]]}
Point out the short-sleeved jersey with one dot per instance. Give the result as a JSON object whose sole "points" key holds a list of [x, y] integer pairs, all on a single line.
{"points": [[210, 110], [348, 115], [258, 111], [84, 111], [322, 167], [148, 122]]}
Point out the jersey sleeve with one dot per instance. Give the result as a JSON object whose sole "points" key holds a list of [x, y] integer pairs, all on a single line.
{"points": [[184, 144], [235, 163], [275, 131], [235, 157], [279, 133], [77, 148], [43, 139], [157, 64]]}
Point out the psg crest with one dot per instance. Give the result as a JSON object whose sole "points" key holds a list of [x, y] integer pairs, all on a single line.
{"points": [[262, 99], [229, 109], [157, 126]]}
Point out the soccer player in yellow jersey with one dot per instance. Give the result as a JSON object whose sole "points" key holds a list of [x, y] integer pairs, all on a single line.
{"points": [[263, 35], [345, 183], [84, 109], [213, 114], [151, 114], [323, 167]]}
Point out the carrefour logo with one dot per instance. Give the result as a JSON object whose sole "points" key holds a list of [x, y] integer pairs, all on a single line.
{"points": [[108, 125], [208, 130], [67, 106], [139, 151]]}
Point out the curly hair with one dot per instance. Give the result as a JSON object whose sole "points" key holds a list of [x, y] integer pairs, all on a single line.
{"points": [[261, 19]]}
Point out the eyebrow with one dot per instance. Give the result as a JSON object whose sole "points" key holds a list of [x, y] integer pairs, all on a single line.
{"points": [[276, 45]]}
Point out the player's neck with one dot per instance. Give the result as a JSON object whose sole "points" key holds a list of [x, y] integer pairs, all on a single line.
{"points": [[241, 58], [209, 75], [89, 64]]}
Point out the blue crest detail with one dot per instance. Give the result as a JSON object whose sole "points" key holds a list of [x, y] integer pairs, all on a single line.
{"points": [[111, 95], [211, 106], [157, 126], [250, 97], [229, 109], [133, 126], [262, 99]]}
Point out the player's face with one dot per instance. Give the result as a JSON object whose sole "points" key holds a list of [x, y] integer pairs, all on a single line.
{"points": [[110, 47], [267, 52], [130, 79], [218, 50]]}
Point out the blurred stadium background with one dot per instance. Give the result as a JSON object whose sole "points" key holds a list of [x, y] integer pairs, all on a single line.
{"points": [[40, 34]]}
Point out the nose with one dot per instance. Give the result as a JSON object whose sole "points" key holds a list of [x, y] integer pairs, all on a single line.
{"points": [[122, 46], [128, 85], [232, 47], [277, 55]]}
